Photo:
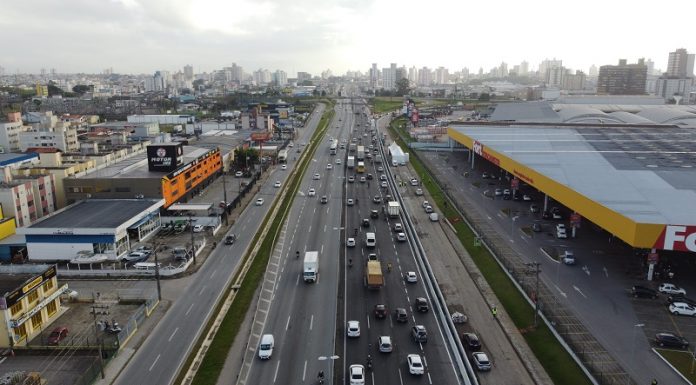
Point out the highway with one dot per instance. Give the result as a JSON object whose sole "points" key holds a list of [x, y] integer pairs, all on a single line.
{"points": [[308, 319], [164, 352]]}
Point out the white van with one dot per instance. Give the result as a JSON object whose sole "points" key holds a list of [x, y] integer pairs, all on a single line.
{"points": [[266, 346], [370, 240], [145, 266]]}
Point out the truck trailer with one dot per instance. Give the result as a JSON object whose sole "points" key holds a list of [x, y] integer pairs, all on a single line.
{"points": [[373, 275], [311, 266], [361, 152], [393, 208], [351, 161]]}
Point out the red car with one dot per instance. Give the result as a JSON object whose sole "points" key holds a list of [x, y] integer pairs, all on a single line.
{"points": [[57, 335]]}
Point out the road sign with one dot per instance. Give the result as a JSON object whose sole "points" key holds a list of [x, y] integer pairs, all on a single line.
{"points": [[515, 183], [575, 219], [653, 257]]}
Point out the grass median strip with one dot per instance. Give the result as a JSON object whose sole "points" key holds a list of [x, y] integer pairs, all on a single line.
{"points": [[559, 365], [214, 360]]}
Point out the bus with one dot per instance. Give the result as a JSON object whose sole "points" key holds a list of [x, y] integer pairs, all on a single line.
{"points": [[282, 156], [333, 147], [361, 167]]}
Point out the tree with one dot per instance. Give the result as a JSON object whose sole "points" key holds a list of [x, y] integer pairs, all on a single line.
{"points": [[484, 96], [197, 83], [81, 89], [402, 87], [53, 90]]}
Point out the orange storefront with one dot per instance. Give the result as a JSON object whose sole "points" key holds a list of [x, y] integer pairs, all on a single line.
{"points": [[179, 182]]}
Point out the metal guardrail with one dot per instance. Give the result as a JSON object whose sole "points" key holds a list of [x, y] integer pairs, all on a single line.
{"points": [[464, 369]]}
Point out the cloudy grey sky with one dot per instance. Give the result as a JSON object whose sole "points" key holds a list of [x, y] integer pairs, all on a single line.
{"points": [[141, 36]]}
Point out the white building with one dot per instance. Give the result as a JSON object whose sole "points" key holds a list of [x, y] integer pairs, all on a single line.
{"points": [[389, 77], [668, 88], [9, 132], [62, 137]]}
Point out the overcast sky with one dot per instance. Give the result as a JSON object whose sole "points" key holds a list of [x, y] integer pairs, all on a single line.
{"points": [[141, 36]]}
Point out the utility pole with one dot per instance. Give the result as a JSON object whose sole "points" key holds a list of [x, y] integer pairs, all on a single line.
{"points": [[157, 274], [96, 335], [224, 193], [193, 245], [536, 272]]}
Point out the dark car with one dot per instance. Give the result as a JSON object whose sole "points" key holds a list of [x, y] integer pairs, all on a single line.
{"points": [[681, 298], [419, 334], [671, 340], [369, 177], [229, 240], [380, 311], [546, 215], [643, 292], [400, 315], [421, 305], [471, 342], [365, 222], [536, 227], [324, 199], [374, 214], [57, 335]]}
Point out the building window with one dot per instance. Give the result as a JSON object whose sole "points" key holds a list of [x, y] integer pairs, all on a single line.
{"points": [[48, 286], [51, 308], [36, 320], [21, 331], [32, 297], [16, 309]]}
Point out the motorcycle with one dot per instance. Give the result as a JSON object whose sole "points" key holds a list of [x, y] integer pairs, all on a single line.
{"points": [[350, 262], [369, 362]]}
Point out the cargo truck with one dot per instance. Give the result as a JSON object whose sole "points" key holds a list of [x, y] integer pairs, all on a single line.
{"points": [[373, 275], [393, 208], [378, 158], [311, 266], [351, 147], [361, 152], [351, 161]]}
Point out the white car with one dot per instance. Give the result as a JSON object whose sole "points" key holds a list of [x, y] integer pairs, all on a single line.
{"points": [[349, 202], [329, 166], [276, 184], [414, 182], [351, 179], [311, 192], [316, 177], [481, 361], [357, 374], [284, 167], [401, 237], [411, 277], [363, 179], [384, 184], [197, 228], [380, 168], [353, 329], [672, 289], [382, 177], [398, 228], [259, 202], [415, 364], [681, 308], [419, 192], [238, 174], [526, 198], [338, 160], [350, 242]]}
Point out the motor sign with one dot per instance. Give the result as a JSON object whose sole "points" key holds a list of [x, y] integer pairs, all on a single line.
{"points": [[678, 238]]}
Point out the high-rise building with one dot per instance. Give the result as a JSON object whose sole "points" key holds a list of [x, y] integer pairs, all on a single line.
{"points": [[503, 70], [574, 82], [680, 64], [280, 78], [374, 76], [425, 77], [413, 75], [302, 76], [441, 75], [188, 72], [544, 67], [262, 76], [593, 73], [524, 68], [389, 77], [622, 79]]}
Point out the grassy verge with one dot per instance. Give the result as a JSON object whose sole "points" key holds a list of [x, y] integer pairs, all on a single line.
{"points": [[556, 361], [385, 104], [214, 360], [683, 361]]}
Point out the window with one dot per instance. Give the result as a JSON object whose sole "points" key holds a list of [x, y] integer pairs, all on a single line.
{"points": [[51, 308], [48, 286], [33, 296], [36, 320], [16, 308], [21, 331]]}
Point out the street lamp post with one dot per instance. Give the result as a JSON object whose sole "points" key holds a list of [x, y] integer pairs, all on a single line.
{"points": [[193, 245], [512, 225], [536, 272], [224, 194]]}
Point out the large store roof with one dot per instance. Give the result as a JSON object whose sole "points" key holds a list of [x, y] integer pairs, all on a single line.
{"points": [[97, 213], [647, 174]]}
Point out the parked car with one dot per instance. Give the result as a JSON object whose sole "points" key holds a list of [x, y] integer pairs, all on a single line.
{"points": [[671, 340], [197, 228], [498, 192], [415, 364], [643, 292], [481, 361], [533, 208], [670, 288], [526, 198], [58, 334], [135, 256], [680, 298], [238, 174], [471, 342], [353, 329], [681, 308], [419, 333]]}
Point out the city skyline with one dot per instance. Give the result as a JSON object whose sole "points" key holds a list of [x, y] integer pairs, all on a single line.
{"points": [[142, 36]]}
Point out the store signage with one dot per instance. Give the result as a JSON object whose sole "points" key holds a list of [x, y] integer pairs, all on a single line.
{"points": [[678, 238], [164, 157], [28, 286]]}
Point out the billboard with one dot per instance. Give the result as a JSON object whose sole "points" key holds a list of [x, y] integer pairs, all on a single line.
{"points": [[164, 157], [678, 238]]}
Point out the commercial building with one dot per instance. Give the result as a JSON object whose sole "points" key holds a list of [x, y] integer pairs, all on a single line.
{"points": [[29, 304], [105, 227], [680, 64], [622, 79]]}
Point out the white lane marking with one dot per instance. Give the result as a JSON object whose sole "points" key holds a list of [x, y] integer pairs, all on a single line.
{"points": [[154, 362], [202, 290], [561, 291], [322, 249], [430, 380], [173, 334], [368, 320], [275, 375], [304, 371], [189, 310], [311, 321], [287, 324], [401, 379], [606, 272], [578, 290], [213, 274]]}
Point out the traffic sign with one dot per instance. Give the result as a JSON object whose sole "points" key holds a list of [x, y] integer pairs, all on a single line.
{"points": [[515, 183]]}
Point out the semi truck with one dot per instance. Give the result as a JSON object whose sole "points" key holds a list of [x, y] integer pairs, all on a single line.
{"points": [[361, 152], [311, 266], [351, 161], [393, 208], [373, 275]]}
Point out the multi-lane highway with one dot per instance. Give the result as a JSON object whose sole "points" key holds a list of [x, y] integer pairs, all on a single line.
{"points": [[161, 356], [308, 319]]}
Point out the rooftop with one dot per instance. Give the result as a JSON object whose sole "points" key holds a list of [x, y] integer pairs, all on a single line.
{"points": [[96, 213], [10, 282], [647, 174]]}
